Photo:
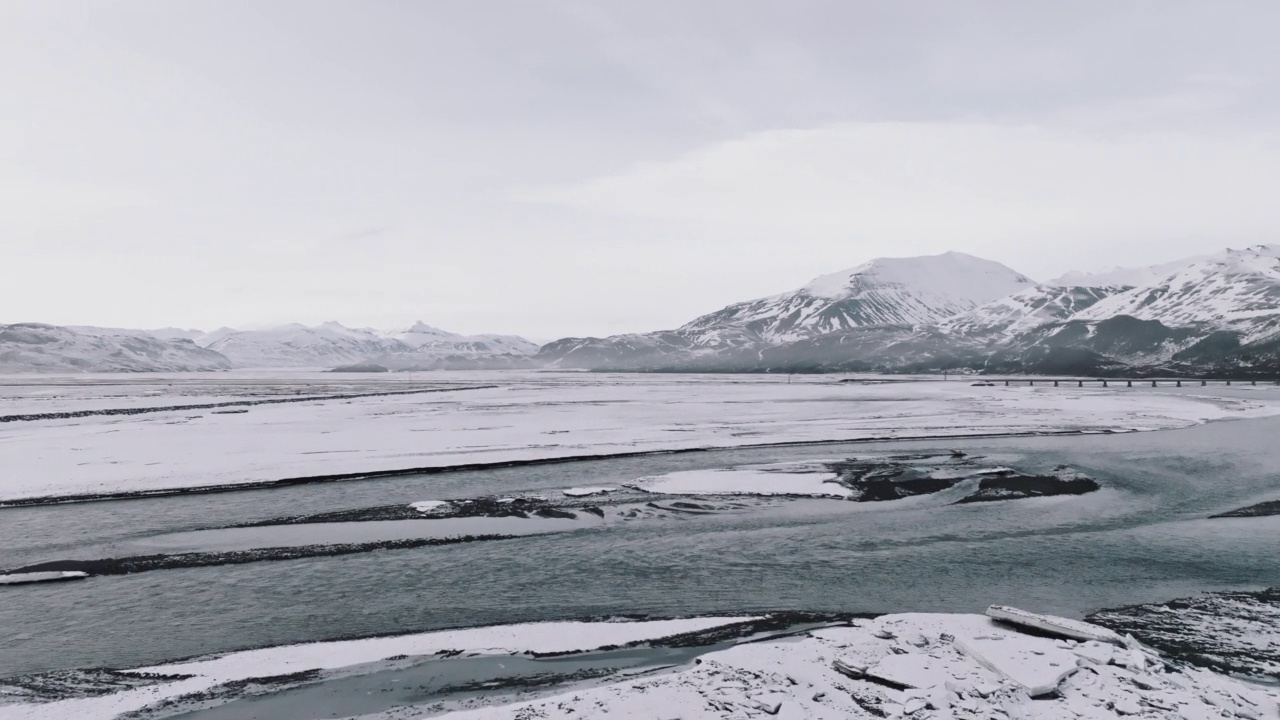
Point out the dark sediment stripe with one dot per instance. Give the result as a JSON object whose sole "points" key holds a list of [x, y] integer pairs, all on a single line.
{"points": [[229, 403], [1260, 510], [144, 563], [497, 465]]}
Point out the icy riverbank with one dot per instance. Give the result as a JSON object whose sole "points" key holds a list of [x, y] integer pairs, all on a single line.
{"points": [[942, 666], [537, 418]]}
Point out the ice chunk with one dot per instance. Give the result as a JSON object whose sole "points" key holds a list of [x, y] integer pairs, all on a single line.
{"points": [[1074, 629], [1034, 663], [34, 577], [429, 506], [586, 491], [913, 670]]}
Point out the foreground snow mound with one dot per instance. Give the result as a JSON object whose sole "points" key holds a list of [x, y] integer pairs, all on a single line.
{"points": [[914, 666]]}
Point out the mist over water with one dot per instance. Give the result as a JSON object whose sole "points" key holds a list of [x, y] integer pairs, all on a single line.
{"points": [[1143, 537]]}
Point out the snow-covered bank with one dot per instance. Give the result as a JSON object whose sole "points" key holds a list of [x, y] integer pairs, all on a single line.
{"points": [[941, 666], [176, 680], [544, 415], [918, 666]]}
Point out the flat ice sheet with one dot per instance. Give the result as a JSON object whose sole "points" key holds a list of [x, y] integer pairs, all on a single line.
{"points": [[550, 415], [743, 481], [208, 673]]}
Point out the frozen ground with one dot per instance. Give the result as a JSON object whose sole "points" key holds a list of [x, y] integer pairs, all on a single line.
{"points": [[529, 416]]}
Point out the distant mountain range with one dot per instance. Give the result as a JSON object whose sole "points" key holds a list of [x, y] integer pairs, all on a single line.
{"points": [[1215, 314], [1209, 314], [26, 347]]}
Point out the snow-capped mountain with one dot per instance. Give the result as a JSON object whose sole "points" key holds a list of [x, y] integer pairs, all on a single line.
{"points": [[899, 293], [294, 345], [37, 347], [885, 291], [430, 348], [426, 339], [1236, 291], [332, 344]]}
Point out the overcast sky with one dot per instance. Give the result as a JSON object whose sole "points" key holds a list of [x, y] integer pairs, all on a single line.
{"points": [[555, 167]]}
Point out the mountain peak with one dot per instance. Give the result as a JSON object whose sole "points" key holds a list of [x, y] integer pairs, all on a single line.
{"points": [[884, 291], [954, 274], [422, 327]]}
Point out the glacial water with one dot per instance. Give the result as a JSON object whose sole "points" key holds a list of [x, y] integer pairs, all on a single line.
{"points": [[1144, 537]]}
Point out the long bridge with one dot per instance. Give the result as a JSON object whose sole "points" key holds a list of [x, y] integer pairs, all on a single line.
{"points": [[1108, 382]]}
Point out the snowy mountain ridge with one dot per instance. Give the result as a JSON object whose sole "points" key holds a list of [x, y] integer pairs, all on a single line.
{"points": [[333, 344], [948, 311], [1235, 290], [957, 311]]}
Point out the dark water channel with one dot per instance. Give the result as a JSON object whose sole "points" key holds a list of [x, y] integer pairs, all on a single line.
{"points": [[1144, 537]]}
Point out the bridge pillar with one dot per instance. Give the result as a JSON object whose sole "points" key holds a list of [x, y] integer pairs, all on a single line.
{"points": [[1253, 382], [1080, 383], [1104, 383], [1179, 383], [1006, 383], [1228, 382], [1128, 383], [1055, 383], [1203, 383], [1153, 383]]}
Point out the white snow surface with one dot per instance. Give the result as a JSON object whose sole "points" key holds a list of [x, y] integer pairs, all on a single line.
{"points": [[743, 481], [549, 415], [549, 637], [956, 667], [951, 279]]}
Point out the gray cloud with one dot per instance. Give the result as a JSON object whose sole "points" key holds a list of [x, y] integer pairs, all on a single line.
{"points": [[554, 167]]}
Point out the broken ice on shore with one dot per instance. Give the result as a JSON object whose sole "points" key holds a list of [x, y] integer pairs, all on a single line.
{"points": [[917, 666]]}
